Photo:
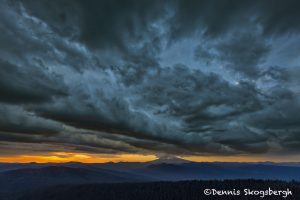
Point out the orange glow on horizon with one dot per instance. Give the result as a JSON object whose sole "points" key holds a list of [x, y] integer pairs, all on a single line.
{"points": [[61, 157]]}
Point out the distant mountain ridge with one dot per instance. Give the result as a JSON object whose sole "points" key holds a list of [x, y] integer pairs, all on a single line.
{"points": [[170, 168], [30, 178]]}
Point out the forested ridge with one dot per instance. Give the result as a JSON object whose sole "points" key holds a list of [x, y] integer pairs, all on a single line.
{"points": [[182, 190]]}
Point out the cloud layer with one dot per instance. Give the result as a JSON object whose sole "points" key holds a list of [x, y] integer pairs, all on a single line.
{"points": [[93, 76]]}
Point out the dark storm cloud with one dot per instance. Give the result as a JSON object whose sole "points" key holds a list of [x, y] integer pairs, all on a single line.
{"points": [[44, 149], [22, 85], [108, 16], [240, 52], [16, 120], [217, 17], [126, 27], [193, 111], [88, 74], [114, 24], [14, 148]]}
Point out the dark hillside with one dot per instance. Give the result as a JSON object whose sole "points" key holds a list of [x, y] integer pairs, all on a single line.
{"points": [[184, 190]]}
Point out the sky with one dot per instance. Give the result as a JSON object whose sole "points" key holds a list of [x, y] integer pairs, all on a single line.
{"points": [[132, 80]]}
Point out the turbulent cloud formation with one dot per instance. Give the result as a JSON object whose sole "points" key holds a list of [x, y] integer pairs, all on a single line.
{"points": [[97, 76]]}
